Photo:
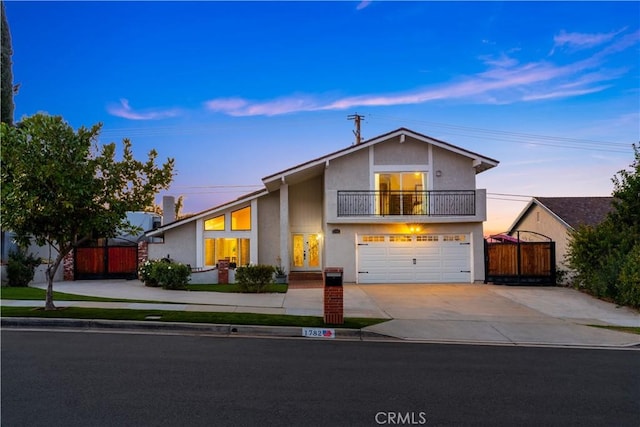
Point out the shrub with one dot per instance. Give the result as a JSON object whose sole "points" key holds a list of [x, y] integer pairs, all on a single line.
{"points": [[171, 275], [628, 284], [165, 273], [145, 273], [21, 268], [254, 278]]}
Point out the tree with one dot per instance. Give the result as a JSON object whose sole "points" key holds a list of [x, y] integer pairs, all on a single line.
{"points": [[6, 78], [59, 187], [626, 193], [606, 258]]}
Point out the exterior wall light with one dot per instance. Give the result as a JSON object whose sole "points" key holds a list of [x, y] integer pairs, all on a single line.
{"points": [[414, 228]]}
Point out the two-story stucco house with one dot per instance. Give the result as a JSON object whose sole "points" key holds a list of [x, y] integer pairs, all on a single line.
{"points": [[398, 208]]}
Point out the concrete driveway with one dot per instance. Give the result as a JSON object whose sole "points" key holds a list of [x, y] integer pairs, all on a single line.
{"points": [[437, 313], [499, 314]]}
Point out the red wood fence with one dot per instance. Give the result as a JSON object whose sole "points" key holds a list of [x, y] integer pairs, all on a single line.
{"points": [[108, 262]]}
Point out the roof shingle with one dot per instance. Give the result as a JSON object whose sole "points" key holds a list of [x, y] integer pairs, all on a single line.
{"points": [[577, 211]]}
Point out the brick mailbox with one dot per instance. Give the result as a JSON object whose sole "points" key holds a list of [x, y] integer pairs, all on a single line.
{"points": [[223, 271], [333, 296]]}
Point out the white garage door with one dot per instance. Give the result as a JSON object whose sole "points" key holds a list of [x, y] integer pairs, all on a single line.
{"points": [[422, 258]]}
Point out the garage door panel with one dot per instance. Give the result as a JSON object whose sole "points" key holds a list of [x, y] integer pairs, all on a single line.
{"points": [[452, 277], [438, 259]]}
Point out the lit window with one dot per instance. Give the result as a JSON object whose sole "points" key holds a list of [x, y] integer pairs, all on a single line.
{"points": [[241, 219], [400, 193], [214, 224], [455, 238], [232, 250], [372, 239]]}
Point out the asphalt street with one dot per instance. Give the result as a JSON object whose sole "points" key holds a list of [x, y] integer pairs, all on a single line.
{"points": [[113, 379]]}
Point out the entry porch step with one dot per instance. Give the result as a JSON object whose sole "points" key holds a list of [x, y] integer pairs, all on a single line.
{"points": [[305, 279], [305, 276]]}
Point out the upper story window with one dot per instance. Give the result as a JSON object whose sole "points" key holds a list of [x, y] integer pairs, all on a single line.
{"points": [[241, 219], [214, 224], [400, 193], [400, 181]]}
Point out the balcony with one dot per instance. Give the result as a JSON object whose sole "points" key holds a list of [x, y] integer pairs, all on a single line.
{"points": [[460, 203]]}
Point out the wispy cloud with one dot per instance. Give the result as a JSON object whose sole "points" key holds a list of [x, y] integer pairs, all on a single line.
{"points": [[363, 4], [579, 41], [505, 80], [125, 111]]}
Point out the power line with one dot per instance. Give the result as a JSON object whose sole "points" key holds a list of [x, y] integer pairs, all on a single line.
{"points": [[523, 138], [510, 195], [217, 186]]}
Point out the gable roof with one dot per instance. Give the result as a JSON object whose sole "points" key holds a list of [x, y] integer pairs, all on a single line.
{"points": [[306, 169], [315, 166], [570, 211], [211, 211]]}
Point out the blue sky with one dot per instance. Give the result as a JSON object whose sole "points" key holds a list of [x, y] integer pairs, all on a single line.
{"points": [[236, 91]]}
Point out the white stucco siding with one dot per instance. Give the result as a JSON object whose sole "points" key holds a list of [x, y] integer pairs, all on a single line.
{"points": [[341, 248], [305, 206], [350, 172], [179, 244], [394, 152], [541, 221], [269, 229], [456, 171]]}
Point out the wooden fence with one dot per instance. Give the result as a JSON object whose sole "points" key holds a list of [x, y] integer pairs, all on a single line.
{"points": [[520, 262], [106, 262]]}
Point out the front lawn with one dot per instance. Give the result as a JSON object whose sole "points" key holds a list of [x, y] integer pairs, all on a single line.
{"points": [[234, 288], [629, 329], [37, 294], [185, 316]]}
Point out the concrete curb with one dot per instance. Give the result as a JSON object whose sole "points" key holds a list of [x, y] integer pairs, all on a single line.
{"points": [[189, 328]]}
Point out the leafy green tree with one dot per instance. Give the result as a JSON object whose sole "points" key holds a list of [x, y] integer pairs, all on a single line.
{"points": [[626, 193], [6, 77], [59, 187], [606, 258]]}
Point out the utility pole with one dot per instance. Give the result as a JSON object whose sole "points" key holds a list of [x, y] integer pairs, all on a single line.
{"points": [[357, 117]]}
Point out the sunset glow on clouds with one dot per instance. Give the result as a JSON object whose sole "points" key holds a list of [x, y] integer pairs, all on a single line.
{"points": [[505, 81], [236, 91], [125, 111]]}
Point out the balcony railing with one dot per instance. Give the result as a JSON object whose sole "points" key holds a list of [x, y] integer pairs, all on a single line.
{"points": [[387, 203]]}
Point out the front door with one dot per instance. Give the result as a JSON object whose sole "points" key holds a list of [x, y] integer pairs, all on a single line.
{"points": [[306, 252]]}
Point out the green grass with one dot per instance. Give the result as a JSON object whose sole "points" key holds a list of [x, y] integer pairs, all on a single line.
{"points": [[629, 329], [20, 293], [26, 293], [233, 288], [183, 316]]}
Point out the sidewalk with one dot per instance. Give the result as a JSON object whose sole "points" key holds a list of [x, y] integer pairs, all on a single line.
{"points": [[483, 314]]}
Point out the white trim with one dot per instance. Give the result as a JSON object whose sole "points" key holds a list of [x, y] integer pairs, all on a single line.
{"points": [[472, 259], [205, 214], [430, 169], [400, 168], [200, 243], [525, 212], [253, 239], [372, 175], [442, 144], [285, 257]]}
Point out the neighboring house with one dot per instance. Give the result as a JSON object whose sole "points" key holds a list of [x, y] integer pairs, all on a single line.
{"points": [[556, 217], [399, 208], [112, 258], [98, 259]]}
